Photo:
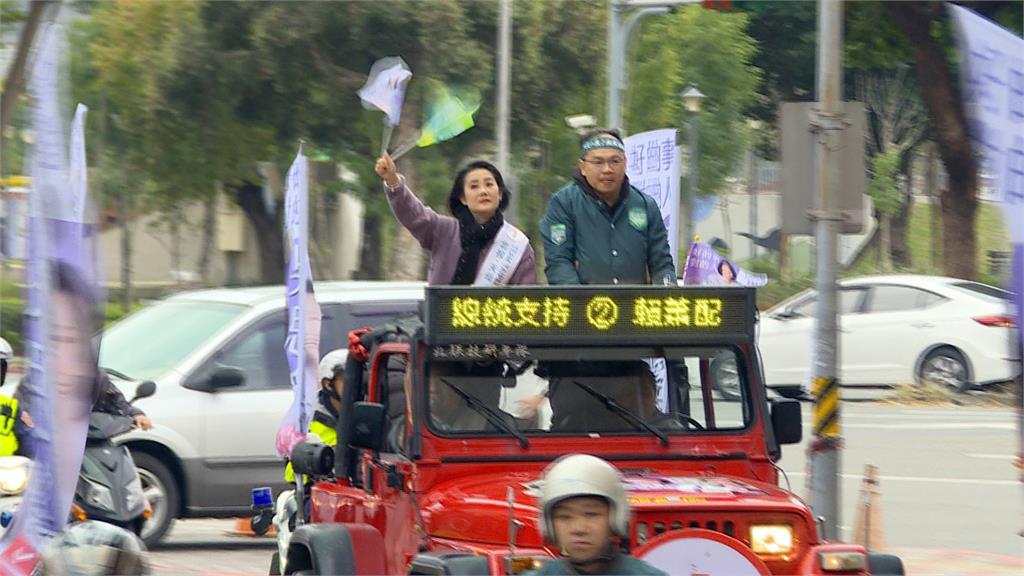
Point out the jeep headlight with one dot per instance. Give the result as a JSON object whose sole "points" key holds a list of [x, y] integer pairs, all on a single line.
{"points": [[14, 477], [771, 539]]}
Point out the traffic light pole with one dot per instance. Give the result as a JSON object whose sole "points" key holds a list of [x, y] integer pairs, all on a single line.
{"points": [[826, 443]]}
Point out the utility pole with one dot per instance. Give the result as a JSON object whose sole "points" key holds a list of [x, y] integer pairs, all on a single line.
{"points": [[826, 443], [504, 81]]}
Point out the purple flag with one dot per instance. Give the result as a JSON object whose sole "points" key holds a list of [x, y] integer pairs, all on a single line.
{"points": [[705, 267], [61, 295], [302, 345]]}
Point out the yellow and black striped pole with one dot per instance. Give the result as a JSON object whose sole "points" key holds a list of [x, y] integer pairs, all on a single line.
{"points": [[826, 407]]}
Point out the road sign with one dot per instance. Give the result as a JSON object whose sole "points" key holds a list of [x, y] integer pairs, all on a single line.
{"points": [[799, 179]]}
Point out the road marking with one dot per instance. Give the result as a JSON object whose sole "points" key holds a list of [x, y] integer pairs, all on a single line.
{"points": [[927, 480], [994, 456], [931, 426]]}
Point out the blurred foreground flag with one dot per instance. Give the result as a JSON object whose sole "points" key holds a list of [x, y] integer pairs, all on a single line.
{"points": [[449, 113], [63, 301], [385, 87], [992, 72]]}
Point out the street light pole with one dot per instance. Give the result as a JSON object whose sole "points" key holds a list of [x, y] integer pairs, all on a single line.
{"points": [[692, 98], [504, 81], [618, 40]]}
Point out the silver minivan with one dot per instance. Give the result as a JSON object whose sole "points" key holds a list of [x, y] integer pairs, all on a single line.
{"points": [[213, 432]]}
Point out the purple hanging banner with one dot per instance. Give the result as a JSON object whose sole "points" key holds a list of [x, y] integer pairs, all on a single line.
{"points": [[302, 345], [58, 390]]}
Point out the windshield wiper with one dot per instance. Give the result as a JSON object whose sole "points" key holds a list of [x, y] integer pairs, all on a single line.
{"points": [[625, 413], [120, 375], [491, 416]]}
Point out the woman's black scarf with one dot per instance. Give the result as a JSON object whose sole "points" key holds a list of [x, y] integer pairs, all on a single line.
{"points": [[474, 237]]}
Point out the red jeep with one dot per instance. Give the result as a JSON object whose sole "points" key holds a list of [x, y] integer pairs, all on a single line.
{"points": [[451, 418]]}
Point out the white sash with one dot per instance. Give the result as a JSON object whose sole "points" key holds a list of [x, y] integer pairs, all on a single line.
{"points": [[502, 260]]}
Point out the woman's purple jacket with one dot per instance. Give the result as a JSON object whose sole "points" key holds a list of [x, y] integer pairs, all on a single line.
{"points": [[439, 235]]}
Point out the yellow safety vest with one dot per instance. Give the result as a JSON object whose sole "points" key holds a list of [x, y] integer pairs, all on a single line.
{"points": [[8, 417], [326, 433]]}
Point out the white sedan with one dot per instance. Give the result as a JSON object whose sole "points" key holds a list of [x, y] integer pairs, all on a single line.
{"points": [[898, 330]]}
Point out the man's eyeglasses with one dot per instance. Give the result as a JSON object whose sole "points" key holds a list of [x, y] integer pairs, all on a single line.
{"points": [[614, 162]]}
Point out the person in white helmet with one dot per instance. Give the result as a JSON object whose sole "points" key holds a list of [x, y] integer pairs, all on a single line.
{"points": [[325, 418], [585, 515]]}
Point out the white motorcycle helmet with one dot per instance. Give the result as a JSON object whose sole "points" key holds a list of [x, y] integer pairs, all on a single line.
{"points": [[93, 548], [6, 355], [583, 475]]}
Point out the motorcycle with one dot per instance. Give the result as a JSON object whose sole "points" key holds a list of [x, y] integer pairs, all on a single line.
{"points": [[109, 489]]}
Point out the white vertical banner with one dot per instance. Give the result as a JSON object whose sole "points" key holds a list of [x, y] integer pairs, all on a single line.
{"points": [[652, 165], [993, 87], [302, 344], [992, 73]]}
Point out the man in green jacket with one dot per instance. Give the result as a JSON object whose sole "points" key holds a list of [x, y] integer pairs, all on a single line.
{"points": [[599, 229]]}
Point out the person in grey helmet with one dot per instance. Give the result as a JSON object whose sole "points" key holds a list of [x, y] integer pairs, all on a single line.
{"points": [[585, 515]]}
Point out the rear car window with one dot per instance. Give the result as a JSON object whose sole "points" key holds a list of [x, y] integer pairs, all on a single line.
{"points": [[984, 291], [900, 298]]}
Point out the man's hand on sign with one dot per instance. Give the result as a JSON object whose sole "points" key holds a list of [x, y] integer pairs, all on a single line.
{"points": [[386, 170]]}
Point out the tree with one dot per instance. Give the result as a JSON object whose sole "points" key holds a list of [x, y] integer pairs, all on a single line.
{"points": [[712, 51], [898, 123], [200, 94], [945, 105], [885, 193]]}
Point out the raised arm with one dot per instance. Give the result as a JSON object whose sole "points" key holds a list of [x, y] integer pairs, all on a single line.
{"points": [[419, 219]]}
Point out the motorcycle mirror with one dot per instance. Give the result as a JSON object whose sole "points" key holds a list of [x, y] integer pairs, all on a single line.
{"points": [[144, 390]]}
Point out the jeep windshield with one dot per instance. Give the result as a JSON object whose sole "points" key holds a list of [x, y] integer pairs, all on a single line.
{"points": [[596, 391]]}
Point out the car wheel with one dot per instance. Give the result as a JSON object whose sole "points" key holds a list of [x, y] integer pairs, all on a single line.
{"points": [[161, 491], [946, 367], [726, 377]]}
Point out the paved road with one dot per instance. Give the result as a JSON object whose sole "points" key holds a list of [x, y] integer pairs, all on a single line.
{"points": [[946, 474], [947, 482], [207, 547]]}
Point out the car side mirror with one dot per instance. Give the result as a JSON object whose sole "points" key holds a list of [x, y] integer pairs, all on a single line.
{"points": [[144, 390], [226, 377], [367, 430], [786, 422]]}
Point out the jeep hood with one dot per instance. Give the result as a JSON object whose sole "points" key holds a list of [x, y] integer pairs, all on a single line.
{"points": [[476, 508]]}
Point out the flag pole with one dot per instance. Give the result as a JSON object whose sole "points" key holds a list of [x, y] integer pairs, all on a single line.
{"points": [[407, 146], [385, 138]]}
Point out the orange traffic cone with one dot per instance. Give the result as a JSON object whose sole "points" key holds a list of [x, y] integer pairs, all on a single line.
{"points": [[868, 530], [243, 527]]}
